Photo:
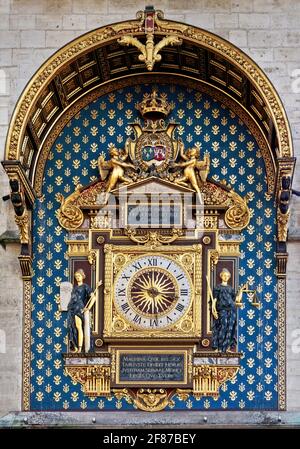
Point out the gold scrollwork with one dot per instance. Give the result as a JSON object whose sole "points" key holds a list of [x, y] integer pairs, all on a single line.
{"points": [[26, 342], [214, 258], [149, 52], [206, 240], [119, 261], [153, 238], [23, 225], [183, 395], [238, 215], [92, 257], [69, 214], [282, 343], [187, 260], [282, 225]]}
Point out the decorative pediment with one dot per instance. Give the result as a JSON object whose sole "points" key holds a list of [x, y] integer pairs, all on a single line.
{"points": [[152, 185], [212, 195]]}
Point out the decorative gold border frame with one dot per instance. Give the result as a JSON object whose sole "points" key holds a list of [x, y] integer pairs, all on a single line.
{"points": [[136, 250], [145, 350], [26, 343], [152, 225], [281, 287]]}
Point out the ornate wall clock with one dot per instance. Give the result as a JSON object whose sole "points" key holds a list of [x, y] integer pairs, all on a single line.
{"points": [[155, 293]]}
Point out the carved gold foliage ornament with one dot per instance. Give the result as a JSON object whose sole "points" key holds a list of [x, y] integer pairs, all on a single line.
{"points": [[153, 238], [94, 378], [208, 379], [149, 52], [146, 399], [282, 225], [238, 214], [23, 225], [69, 214], [151, 400]]}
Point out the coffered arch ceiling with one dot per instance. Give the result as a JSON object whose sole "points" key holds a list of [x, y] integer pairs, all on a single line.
{"points": [[97, 59]]}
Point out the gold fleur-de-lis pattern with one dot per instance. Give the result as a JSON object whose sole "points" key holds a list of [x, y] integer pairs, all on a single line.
{"points": [[235, 157]]}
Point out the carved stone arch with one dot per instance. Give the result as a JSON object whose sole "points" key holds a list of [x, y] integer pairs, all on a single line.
{"points": [[97, 57]]}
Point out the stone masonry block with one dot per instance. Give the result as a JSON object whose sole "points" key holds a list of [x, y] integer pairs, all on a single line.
{"points": [[188, 5], [74, 22], [9, 39], [47, 22], [292, 39], [260, 54], [265, 38], [200, 20], [33, 39], [22, 22], [217, 5], [99, 20], [226, 21], [285, 21], [59, 38], [241, 6], [53, 6], [4, 6], [287, 54], [254, 21], [5, 57], [4, 22], [91, 7], [238, 37], [270, 5]]}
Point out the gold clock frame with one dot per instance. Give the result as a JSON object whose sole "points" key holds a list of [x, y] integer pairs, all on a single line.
{"points": [[117, 327]]}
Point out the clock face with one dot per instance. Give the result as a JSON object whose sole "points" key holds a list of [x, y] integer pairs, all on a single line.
{"points": [[153, 292]]}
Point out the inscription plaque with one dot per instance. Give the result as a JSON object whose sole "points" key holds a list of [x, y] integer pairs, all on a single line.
{"points": [[152, 368]]}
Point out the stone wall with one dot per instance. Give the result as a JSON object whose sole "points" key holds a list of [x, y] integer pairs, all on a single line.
{"points": [[32, 30]]}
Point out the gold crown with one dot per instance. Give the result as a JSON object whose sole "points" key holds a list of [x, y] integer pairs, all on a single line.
{"points": [[154, 105]]}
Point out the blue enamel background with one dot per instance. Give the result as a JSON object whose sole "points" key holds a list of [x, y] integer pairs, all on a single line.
{"points": [[235, 157]]}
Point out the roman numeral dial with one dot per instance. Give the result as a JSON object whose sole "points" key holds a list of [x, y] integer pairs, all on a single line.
{"points": [[153, 292]]}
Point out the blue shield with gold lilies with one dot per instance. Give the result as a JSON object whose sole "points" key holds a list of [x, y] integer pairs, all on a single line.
{"points": [[154, 153]]}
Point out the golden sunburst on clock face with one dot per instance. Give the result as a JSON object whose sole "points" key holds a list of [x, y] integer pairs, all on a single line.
{"points": [[153, 292]]}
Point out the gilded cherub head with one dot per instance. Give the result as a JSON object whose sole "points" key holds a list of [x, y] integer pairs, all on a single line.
{"points": [[113, 151], [193, 152]]}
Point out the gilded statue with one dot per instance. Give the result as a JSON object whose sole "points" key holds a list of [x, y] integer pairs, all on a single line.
{"points": [[191, 164], [82, 300], [224, 303], [115, 167]]}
